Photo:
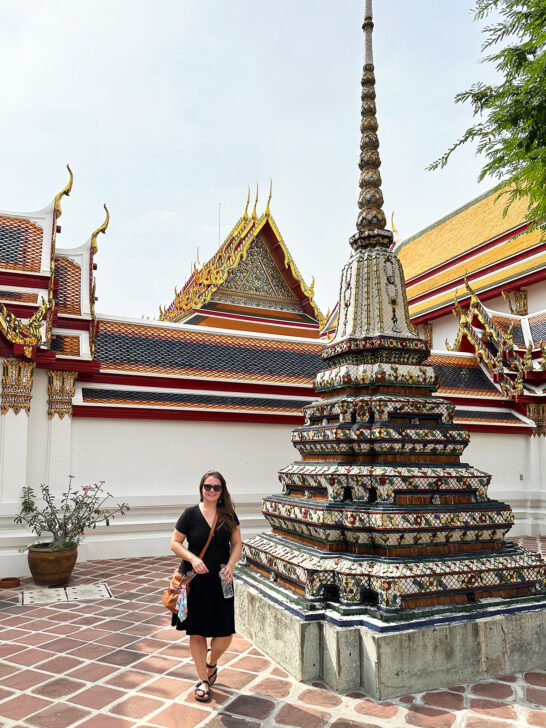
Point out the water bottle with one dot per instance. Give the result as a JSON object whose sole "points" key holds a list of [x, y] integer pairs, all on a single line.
{"points": [[227, 586]]}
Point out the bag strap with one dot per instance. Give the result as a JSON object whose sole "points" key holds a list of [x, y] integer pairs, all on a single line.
{"points": [[205, 547]]}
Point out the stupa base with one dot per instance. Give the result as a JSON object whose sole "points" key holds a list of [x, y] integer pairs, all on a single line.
{"points": [[388, 659]]}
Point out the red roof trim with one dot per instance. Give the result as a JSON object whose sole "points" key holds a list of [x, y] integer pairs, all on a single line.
{"points": [[78, 324], [239, 317], [485, 295], [26, 280], [468, 254], [141, 413], [210, 385], [70, 365], [20, 310], [529, 252], [499, 429]]}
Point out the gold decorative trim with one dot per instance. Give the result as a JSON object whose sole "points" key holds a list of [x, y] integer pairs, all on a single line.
{"points": [[35, 322], [16, 385], [65, 191], [427, 334], [57, 212], [537, 413], [507, 359], [60, 390], [101, 229], [204, 282], [17, 333], [267, 209]]}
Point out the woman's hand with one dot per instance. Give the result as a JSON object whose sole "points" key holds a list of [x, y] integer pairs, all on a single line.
{"points": [[228, 573], [198, 566]]}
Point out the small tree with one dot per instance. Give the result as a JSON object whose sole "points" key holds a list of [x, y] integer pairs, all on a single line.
{"points": [[511, 133], [67, 520]]}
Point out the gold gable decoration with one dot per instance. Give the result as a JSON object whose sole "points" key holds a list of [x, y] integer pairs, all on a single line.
{"points": [[28, 336], [258, 275], [57, 212], [506, 361], [205, 281]]}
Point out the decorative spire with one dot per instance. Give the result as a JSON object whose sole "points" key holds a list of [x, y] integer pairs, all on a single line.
{"points": [[267, 210], [254, 215], [245, 214], [371, 220], [101, 229]]}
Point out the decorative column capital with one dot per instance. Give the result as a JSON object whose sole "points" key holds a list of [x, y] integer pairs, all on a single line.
{"points": [[521, 305], [537, 412], [427, 333], [16, 385], [60, 392]]}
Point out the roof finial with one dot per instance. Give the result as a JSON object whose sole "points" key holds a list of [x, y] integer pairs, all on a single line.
{"points": [[254, 215], [65, 191], [245, 214], [371, 220], [101, 229], [267, 210]]}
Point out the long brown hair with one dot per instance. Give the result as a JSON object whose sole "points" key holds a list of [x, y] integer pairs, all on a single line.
{"points": [[224, 504]]}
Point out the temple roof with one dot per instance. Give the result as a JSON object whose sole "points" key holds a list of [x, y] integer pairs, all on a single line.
{"points": [[188, 351], [251, 283], [47, 294], [512, 347], [494, 252], [164, 370]]}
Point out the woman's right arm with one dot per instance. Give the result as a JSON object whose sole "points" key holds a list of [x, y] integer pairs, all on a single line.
{"points": [[177, 547]]}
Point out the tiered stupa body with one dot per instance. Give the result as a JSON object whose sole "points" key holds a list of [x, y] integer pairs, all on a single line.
{"points": [[380, 513]]}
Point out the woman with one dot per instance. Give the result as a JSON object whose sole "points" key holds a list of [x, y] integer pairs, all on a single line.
{"points": [[210, 614]]}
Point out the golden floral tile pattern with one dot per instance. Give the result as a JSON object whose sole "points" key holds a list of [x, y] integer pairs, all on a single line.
{"points": [[459, 233]]}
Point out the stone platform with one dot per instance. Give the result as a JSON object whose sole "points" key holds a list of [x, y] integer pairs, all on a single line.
{"points": [[386, 660]]}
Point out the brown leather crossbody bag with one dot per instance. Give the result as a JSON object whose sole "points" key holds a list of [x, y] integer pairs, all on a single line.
{"points": [[179, 580]]}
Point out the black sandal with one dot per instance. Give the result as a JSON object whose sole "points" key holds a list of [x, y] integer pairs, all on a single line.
{"points": [[212, 678], [205, 692]]}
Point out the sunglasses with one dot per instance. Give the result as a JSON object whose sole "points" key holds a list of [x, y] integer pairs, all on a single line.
{"points": [[215, 488]]}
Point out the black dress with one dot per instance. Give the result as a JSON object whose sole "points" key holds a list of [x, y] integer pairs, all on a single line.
{"points": [[210, 614]]}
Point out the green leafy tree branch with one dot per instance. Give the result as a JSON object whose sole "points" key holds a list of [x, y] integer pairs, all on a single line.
{"points": [[511, 131]]}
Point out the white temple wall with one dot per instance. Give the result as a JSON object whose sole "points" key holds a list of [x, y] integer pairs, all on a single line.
{"points": [[536, 297], [156, 467], [443, 328], [37, 452], [517, 464]]}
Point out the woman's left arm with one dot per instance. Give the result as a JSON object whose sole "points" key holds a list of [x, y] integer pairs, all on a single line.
{"points": [[236, 551]]}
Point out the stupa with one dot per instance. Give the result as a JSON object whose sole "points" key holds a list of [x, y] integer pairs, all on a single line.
{"points": [[380, 520]]}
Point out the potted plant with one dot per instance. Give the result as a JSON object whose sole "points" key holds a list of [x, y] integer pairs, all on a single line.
{"points": [[51, 562]]}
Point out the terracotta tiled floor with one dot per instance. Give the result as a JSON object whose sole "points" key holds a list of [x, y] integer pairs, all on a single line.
{"points": [[116, 663]]}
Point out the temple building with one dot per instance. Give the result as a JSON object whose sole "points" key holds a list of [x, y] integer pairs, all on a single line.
{"points": [[250, 284], [227, 370]]}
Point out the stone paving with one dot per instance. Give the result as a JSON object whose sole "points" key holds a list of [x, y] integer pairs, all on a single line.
{"points": [[116, 663]]}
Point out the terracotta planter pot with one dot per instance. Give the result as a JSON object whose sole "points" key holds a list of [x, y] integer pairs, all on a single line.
{"points": [[49, 567]]}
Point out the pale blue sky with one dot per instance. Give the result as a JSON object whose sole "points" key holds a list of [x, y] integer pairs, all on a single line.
{"points": [[166, 109]]}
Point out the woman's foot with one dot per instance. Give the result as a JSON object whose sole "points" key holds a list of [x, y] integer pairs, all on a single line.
{"points": [[212, 675], [202, 692]]}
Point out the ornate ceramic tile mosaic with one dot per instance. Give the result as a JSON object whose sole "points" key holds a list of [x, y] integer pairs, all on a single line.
{"points": [[379, 512]]}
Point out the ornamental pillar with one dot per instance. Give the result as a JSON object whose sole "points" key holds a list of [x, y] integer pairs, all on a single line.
{"points": [[17, 377], [59, 411], [537, 412]]}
